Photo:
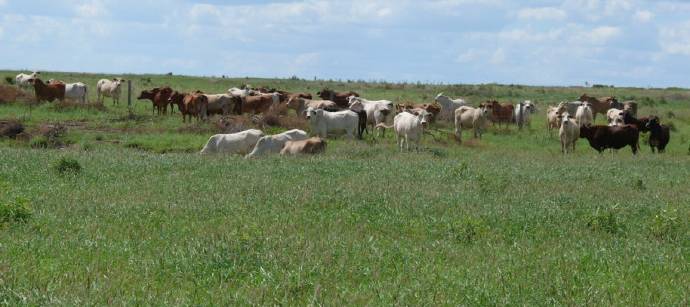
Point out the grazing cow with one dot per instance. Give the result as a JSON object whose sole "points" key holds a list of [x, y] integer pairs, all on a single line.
{"points": [[569, 133], [109, 88], [22, 80], [275, 143], [377, 110], [300, 105], [322, 122], [470, 118], [639, 123], [614, 117], [242, 92], [500, 112], [523, 112], [233, 143], [601, 105], [448, 106], [584, 116], [617, 137], [358, 108], [260, 103], [659, 134], [160, 98], [552, 114], [47, 92], [409, 128], [221, 103], [311, 146], [342, 99], [193, 104]]}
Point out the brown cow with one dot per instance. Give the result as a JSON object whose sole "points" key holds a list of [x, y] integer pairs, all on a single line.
{"points": [[433, 108], [159, 97], [193, 104], [47, 92], [260, 104], [501, 113], [340, 98], [601, 105], [312, 146]]}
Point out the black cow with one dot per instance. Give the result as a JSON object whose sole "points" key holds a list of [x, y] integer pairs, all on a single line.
{"points": [[616, 137]]}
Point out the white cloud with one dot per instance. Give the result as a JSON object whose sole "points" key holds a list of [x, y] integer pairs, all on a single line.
{"points": [[542, 13], [675, 39], [598, 36], [91, 9], [521, 35], [643, 16]]}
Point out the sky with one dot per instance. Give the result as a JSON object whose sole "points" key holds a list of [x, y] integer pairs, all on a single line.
{"points": [[542, 42]]}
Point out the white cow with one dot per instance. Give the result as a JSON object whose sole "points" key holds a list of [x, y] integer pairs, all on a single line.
{"points": [[242, 92], [448, 106], [300, 105], [109, 88], [569, 133], [75, 91], [471, 118], [233, 143], [274, 143], [552, 120], [409, 128], [377, 110], [523, 112], [584, 116], [22, 80], [322, 122], [615, 117]]}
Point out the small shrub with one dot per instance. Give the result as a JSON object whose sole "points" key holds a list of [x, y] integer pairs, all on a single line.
{"points": [[468, 231], [639, 185], [9, 80], [67, 166], [670, 114], [606, 221], [99, 137], [665, 225], [14, 211]]}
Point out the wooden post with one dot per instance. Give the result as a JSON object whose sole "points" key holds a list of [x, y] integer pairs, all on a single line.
{"points": [[129, 93]]}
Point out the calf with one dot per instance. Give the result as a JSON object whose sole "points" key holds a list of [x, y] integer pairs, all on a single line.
{"points": [[569, 132], [47, 92], [275, 143], [322, 122], [659, 134], [312, 146], [616, 137], [233, 143], [639, 123]]}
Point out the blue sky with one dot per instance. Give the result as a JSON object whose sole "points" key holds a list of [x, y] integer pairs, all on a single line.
{"points": [[621, 42]]}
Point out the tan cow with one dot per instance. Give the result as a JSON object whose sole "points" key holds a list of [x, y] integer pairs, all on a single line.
{"points": [[313, 145]]}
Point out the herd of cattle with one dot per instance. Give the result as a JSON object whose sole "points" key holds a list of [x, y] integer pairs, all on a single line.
{"points": [[348, 113]]}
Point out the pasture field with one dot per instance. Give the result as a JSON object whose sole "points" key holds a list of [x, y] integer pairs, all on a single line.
{"points": [[506, 220]]}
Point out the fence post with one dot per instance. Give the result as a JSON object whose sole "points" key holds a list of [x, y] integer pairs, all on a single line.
{"points": [[129, 94]]}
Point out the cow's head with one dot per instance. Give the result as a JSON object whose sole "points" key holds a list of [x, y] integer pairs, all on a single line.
{"points": [[653, 122], [424, 117], [356, 105], [309, 112]]}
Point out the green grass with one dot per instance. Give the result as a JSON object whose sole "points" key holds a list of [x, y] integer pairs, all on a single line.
{"points": [[507, 220]]}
